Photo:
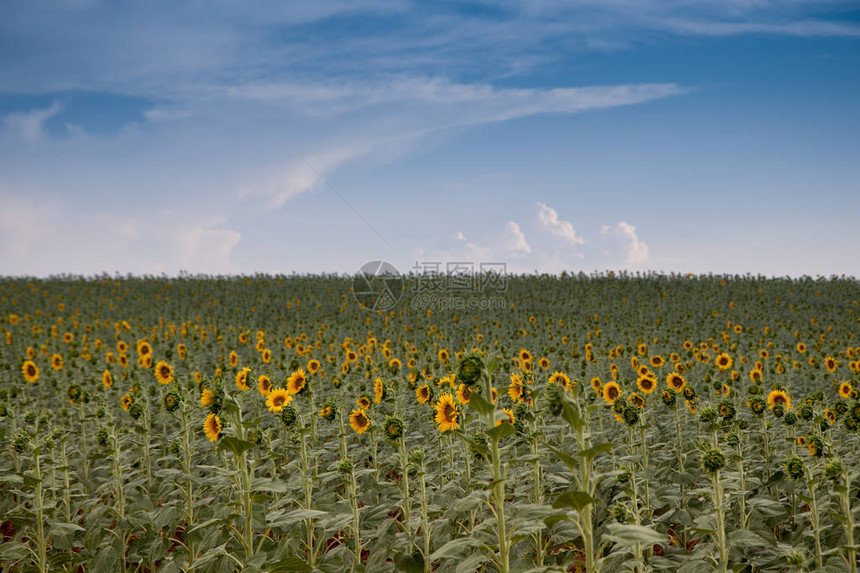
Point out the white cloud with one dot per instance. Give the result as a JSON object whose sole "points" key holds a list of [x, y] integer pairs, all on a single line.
{"points": [[548, 218], [30, 124], [515, 240], [636, 252]]}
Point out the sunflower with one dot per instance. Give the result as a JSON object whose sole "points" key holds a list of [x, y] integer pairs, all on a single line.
{"points": [[755, 375], [266, 356], [57, 362], [277, 398], [446, 413], [359, 421], [297, 382], [182, 351], [801, 441], [830, 364], [507, 417], [845, 390], [524, 355], [126, 401], [422, 393], [657, 361], [561, 378], [778, 398], [444, 355], [597, 385], [68, 337], [30, 371], [207, 398], [611, 392], [801, 347], [107, 379], [464, 394], [378, 391], [351, 356], [543, 363], [723, 362], [123, 360], [264, 385], [144, 348], [212, 427], [242, 379], [515, 390], [646, 384], [121, 346], [675, 381], [637, 400], [163, 373], [830, 416], [313, 366]]}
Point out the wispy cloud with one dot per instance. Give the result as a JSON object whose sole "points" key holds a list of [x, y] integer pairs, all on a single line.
{"points": [[29, 125]]}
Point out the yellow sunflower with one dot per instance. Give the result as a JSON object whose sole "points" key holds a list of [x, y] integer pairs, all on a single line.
{"points": [[845, 390], [359, 421], [378, 390], [163, 373], [242, 379], [277, 398], [313, 366], [212, 427], [646, 384], [611, 392], [561, 378], [778, 398], [207, 398], [264, 385], [422, 393], [446, 413], [515, 390], [464, 394], [507, 417], [30, 371], [57, 362], [723, 362], [107, 379], [675, 381], [297, 382], [126, 401]]}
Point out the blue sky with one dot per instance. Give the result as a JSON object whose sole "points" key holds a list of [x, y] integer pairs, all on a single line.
{"points": [[685, 136]]}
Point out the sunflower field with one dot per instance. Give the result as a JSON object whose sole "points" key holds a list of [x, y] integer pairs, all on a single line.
{"points": [[605, 422]]}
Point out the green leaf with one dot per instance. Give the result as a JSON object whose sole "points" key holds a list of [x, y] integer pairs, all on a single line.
{"points": [[235, 445], [480, 404], [577, 500], [291, 564], [570, 414], [410, 563], [596, 450], [455, 548], [501, 431], [632, 534]]}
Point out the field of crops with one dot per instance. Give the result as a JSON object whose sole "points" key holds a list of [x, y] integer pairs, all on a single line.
{"points": [[591, 423]]}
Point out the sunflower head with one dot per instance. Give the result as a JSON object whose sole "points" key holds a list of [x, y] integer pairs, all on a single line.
{"points": [[297, 382], [172, 401], [470, 370], [277, 398], [393, 428], [446, 413], [212, 427], [359, 421]]}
